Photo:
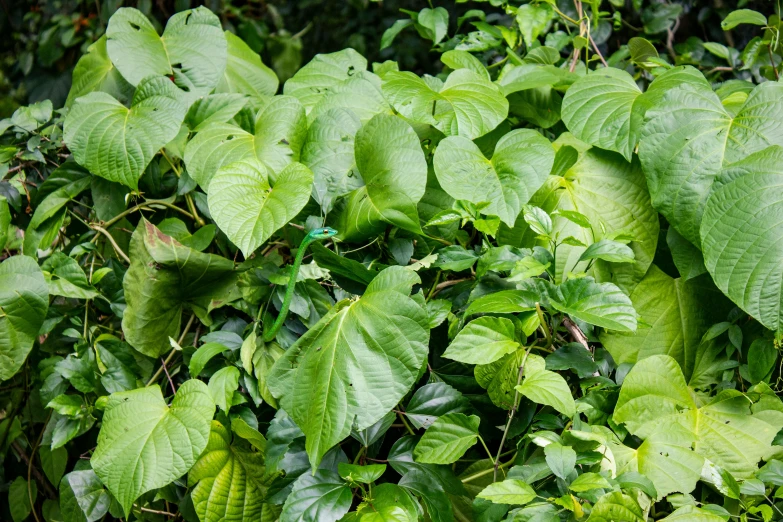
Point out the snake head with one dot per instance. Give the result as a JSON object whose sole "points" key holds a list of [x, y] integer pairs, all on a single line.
{"points": [[322, 233]]}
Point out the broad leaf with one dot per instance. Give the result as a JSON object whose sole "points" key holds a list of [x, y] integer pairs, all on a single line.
{"points": [[116, 142], [654, 394], [361, 474], [248, 209], [597, 109], [741, 235], [612, 194], [560, 459], [319, 497], [322, 75], [665, 457], [672, 319], [245, 73], [466, 105], [447, 439], [601, 304], [192, 49], [483, 341], [24, 301], [548, 388], [95, 72], [145, 444], [432, 401], [329, 153], [65, 277], [280, 130], [163, 278], [222, 385], [690, 136], [616, 506], [228, 481], [355, 364], [215, 108], [520, 165]]}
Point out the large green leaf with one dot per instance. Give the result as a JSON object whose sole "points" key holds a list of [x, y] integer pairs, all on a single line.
{"points": [[689, 136], [145, 444], [192, 49], [24, 301], [229, 480], [665, 457], [280, 131], [329, 153], [447, 439], [392, 164], [117, 143], [245, 73], [322, 75], [672, 319], [95, 72], [82, 497], [483, 341], [248, 209], [612, 194], [601, 304], [466, 105], [318, 497], [655, 394], [355, 364], [741, 235], [519, 166], [616, 506], [163, 278], [597, 109]]}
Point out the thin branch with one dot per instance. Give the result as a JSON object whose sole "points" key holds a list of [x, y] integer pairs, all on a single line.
{"points": [[446, 284], [172, 352], [576, 332], [595, 47], [166, 370], [35, 471], [114, 244], [511, 414]]}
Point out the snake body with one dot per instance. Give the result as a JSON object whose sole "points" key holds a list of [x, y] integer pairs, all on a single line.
{"points": [[317, 234]]}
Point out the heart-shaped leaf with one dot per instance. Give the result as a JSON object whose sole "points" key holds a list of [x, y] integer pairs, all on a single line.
{"points": [[117, 143]]}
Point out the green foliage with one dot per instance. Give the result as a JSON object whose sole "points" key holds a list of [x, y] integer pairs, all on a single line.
{"points": [[536, 279]]}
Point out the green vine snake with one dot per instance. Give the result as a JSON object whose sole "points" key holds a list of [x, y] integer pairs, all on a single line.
{"points": [[317, 234]]}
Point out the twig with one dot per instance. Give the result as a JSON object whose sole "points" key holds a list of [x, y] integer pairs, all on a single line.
{"points": [[772, 62], [670, 40], [595, 47], [114, 244], [166, 370], [143, 204], [511, 414], [576, 332], [35, 471], [446, 284], [172, 352], [155, 511]]}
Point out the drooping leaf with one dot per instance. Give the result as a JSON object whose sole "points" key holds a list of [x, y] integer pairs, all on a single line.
{"points": [[519, 166], [742, 16], [687, 258], [483, 341], [608, 250], [192, 49], [215, 108], [145, 444], [164, 277], [672, 319], [355, 364], [116, 142], [466, 105], [248, 209], [447, 439], [560, 459], [689, 136], [24, 301], [228, 481], [740, 235]]}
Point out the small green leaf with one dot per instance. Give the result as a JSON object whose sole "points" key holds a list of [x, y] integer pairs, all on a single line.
{"points": [[560, 459], [601, 304], [245, 73], [434, 400], [19, 498], [608, 250], [589, 481], [483, 341], [361, 474], [510, 491], [762, 357], [742, 16], [616, 506], [435, 23], [550, 389], [95, 72], [222, 386], [83, 498], [318, 497], [447, 439]]}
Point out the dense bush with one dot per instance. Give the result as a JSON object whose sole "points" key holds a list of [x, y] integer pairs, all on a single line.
{"points": [[530, 270]]}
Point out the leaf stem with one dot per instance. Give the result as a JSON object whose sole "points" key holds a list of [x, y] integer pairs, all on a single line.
{"points": [[487, 471], [407, 426], [143, 204], [489, 453], [114, 244], [512, 411], [172, 352]]}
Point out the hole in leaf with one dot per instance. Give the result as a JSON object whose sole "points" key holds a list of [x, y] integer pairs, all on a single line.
{"points": [[135, 26]]}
